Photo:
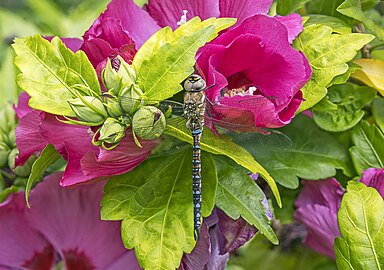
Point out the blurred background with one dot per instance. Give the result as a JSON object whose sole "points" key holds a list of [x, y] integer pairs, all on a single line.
{"points": [[71, 18]]}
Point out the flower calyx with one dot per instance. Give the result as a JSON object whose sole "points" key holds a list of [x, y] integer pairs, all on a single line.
{"points": [[89, 110]]}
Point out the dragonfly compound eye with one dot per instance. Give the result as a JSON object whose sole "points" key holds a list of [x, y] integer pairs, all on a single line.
{"points": [[194, 83], [148, 123]]}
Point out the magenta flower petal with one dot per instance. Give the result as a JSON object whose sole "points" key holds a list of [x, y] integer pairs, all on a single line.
{"points": [[22, 109], [73, 44], [29, 140], [200, 255], [106, 38], [169, 12], [270, 67], [374, 177], [242, 9], [293, 23], [129, 16], [21, 245], [117, 161], [317, 207], [72, 224], [234, 233]]}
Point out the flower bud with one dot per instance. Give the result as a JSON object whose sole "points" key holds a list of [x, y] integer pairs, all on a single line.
{"points": [[111, 79], [7, 119], [130, 98], [118, 77], [113, 106], [127, 73], [4, 152], [89, 109], [148, 123], [112, 131], [24, 170]]}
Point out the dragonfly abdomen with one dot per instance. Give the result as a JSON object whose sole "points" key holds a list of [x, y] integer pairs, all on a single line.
{"points": [[196, 180]]}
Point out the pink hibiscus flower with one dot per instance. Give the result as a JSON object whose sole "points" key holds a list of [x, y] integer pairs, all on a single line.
{"points": [[68, 231]]}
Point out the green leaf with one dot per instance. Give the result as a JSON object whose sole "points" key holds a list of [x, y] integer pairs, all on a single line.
{"points": [[337, 25], [167, 58], [222, 145], [155, 203], [313, 155], [368, 149], [343, 78], [5, 193], [378, 112], [285, 7], [259, 255], [361, 223], [324, 7], [50, 73], [327, 53], [352, 9], [48, 156], [350, 99], [367, 4], [238, 195]]}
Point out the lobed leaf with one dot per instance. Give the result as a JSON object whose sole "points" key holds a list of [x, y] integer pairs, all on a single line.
{"points": [[353, 9], [338, 26], [50, 73], [361, 223], [238, 195], [327, 53], [349, 99], [167, 58], [368, 149], [222, 145], [155, 203], [313, 155]]}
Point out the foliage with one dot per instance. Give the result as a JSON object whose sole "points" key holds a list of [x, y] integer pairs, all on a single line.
{"points": [[361, 218], [340, 136]]}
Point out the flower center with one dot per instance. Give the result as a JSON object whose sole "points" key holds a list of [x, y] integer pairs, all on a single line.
{"points": [[183, 18], [76, 259], [241, 91]]}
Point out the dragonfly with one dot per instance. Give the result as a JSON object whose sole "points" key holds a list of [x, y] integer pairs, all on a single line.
{"points": [[194, 109]]}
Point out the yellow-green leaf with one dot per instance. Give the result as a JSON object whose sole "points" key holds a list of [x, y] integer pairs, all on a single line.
{"points": [[51, 73]]}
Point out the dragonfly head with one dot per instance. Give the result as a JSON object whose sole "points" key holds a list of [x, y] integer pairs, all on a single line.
{"points": [[194, 83]]}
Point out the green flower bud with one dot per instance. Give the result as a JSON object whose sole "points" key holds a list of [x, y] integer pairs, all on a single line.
{"points": [[112, 131], [24, 170], [148, 123], [89, 110], [113, 106], [12, 138], [111, 79], [118, 75], [130, 98], [4, 152], [127, 73], [7, 119]]}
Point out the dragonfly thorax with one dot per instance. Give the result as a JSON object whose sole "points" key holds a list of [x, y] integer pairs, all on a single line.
{"points": [[194, 83]]}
